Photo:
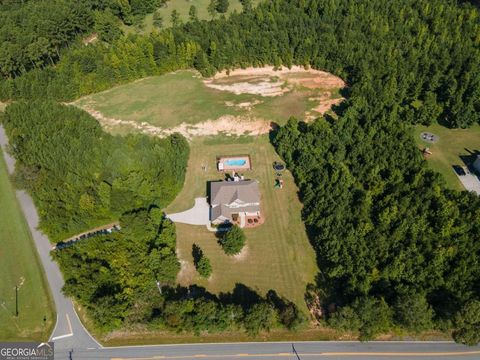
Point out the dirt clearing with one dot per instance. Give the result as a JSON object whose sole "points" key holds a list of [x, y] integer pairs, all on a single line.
{"points": [[229, 125], [240, 102], [269, 82]]}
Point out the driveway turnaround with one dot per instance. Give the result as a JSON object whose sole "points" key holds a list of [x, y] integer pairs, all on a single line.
{"points": [[199, 214], [471, 182]]}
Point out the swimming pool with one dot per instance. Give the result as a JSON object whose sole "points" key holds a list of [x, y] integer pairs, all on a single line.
{"points": [[235, 162]]}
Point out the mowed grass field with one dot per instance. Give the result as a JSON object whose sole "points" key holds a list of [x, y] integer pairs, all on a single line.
{"points": [[453, 146], [168, 100], [182, 7], [164, 101], [279, 255], [20, 267]]}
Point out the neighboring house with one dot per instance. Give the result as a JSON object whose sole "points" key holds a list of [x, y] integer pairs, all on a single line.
{"points": [[236, 202], [476, 165]]}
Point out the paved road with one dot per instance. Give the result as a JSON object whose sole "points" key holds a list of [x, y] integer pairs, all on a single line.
{"points": [[69, 331], [288, 351], [72, 340]]}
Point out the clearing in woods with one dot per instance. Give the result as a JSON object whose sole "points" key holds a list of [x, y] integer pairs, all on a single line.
{"points": [[246, 101], [454, 147], [218, 115], [182, 7], [277, 256]]}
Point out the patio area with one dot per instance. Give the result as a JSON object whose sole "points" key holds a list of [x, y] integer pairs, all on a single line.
{"points": [[247, 221]]}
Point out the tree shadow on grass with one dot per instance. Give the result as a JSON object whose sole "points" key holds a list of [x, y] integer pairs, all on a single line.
{"points": [[241, 295], [197, 254], [469, 159]]}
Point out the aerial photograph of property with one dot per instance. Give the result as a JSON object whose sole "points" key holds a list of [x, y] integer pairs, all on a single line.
{"points": [[226, 179]]}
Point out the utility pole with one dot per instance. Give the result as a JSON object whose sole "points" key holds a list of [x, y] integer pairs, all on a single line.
{"points": [[16, 300], [159, 286]]}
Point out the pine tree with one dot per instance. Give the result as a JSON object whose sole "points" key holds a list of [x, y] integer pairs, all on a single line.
{"points": [[222, 6]]}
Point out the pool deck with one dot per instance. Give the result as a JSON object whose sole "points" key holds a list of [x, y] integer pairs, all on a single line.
{"points": [[223, 166]]}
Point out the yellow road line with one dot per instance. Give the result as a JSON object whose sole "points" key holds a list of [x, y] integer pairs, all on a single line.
{"points": [[404, 354]]}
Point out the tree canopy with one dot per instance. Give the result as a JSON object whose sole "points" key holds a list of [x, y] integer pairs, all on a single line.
{"points": [[80, 176], [424, 54], [232, 240], [387, 232]]}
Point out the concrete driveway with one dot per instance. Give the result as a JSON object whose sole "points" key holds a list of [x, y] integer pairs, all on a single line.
{"points": [[471, 182], [199, 214]]}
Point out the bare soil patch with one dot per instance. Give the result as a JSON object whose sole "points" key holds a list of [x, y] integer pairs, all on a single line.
{"points": [[246, 105], [242, 255], [187, 272], [261, 87], [239, 102], [3, 105], [267, 81], [326, 105], [230, 125]]}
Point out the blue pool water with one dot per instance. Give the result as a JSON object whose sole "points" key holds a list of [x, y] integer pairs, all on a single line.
{"points": [[235, 162]]}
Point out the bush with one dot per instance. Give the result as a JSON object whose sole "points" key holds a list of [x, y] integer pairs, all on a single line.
{"points": [[345, 319], [413, 312], [201, 262], [107, 26], [372, 316], [375, 317], [468, 324], [261, 316], [222, 6], [233, 240]]}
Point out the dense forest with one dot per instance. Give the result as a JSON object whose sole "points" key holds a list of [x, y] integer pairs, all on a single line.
{"points": [[423, 54], [33, 33], [80, 176], [395, 247]]}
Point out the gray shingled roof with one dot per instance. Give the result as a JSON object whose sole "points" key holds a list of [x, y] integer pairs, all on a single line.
{"points": [[225, 211], [226, 192]]}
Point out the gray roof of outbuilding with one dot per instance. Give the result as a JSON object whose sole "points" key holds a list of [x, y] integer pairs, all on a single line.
{"points": [[226, 192]]}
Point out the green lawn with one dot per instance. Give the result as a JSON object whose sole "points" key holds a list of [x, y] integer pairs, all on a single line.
{"points": [[20, 266], [163, 101], [183, 7], [279, 255], [182, 97], [451, 146]]}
